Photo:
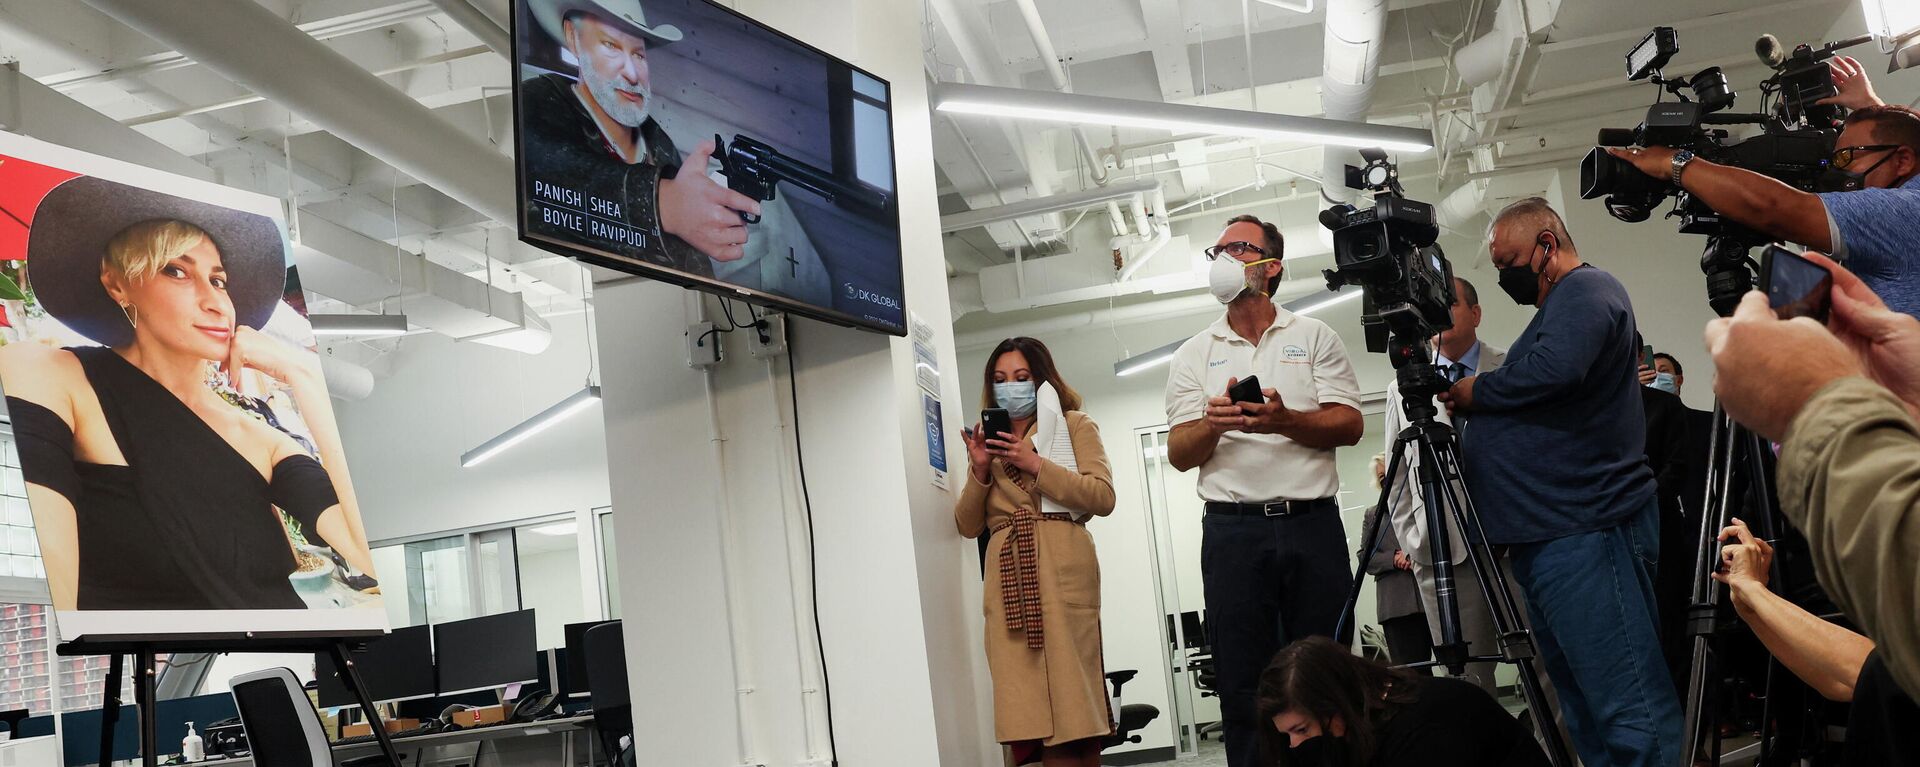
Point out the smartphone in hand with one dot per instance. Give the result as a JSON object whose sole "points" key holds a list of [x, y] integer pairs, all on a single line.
{"points": [[1247, 390], [1646, 356], [995, 421], [1795, 287]]}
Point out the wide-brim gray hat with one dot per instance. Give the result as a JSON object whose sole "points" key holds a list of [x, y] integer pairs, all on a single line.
{"points": [[621, 13], [68, 244]]}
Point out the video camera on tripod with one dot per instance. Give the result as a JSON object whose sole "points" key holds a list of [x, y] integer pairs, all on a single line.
{"points": [[1389, 250], [1406, 286], [1794, 144]]}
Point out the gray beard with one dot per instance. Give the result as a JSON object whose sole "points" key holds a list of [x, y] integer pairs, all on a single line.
{"points": [[607, 94]]}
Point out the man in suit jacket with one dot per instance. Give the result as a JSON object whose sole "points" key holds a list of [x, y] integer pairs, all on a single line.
{"points": [[1458, 353]]}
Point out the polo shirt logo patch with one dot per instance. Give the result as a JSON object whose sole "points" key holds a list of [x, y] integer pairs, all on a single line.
{"points": [[1292, 353], [1216, 363]]}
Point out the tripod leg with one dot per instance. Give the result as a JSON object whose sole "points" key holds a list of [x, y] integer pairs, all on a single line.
{"points": [[1367, 547], [1451, 650], [1701, 721], [1516, 641]]}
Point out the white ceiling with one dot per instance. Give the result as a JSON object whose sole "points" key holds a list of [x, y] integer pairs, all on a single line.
{"points": [[1567, 86]]}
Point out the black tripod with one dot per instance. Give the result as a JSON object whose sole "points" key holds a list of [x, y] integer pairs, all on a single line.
{"points": [[1438, 475], [1736, 479]]}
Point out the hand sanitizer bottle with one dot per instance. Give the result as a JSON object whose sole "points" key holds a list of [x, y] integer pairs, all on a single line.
{"points": [[191, 747]]}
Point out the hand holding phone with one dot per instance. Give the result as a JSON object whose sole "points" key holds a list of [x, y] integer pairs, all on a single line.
{"points": [[1795, 287], [996, 421], [1247, 390]]}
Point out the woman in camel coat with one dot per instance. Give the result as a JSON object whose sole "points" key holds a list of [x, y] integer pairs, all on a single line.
{"points": [[1043, 577]]}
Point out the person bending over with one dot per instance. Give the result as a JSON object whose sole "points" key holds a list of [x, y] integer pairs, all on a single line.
{"points": [[1331, 708]]}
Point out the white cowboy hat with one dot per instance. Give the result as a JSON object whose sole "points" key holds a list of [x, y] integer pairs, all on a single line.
{"points": [[621, 13]]}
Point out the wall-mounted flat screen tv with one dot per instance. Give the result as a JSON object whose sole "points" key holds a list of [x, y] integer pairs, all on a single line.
{"points": [[682, 141]]}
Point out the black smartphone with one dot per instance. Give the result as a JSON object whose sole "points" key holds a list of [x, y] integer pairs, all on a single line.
{"points": [[1795, 287], [1646, 356], [995, 421], [1248, 390]]}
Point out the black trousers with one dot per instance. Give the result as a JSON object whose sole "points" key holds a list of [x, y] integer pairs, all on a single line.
{"points": [[1269, 581], [1408, 639]]}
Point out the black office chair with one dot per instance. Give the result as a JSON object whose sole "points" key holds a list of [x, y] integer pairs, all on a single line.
{"points": [[1131, 717], [282, 728], [606, 650]]}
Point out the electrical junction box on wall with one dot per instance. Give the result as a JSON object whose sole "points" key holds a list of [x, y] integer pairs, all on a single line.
{"points": [[703, 345]]}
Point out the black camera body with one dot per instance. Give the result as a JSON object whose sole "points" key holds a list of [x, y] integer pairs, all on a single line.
{"points": [[1389, 250], [1794, 144]]}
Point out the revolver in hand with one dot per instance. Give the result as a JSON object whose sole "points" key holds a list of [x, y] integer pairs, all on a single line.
{"points": [[755, 169]]}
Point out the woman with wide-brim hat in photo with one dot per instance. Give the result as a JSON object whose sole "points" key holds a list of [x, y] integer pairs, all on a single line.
{"points": [[151, 489]]}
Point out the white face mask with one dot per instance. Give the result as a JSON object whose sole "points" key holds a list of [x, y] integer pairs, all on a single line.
{"points": [[1228, 277]]}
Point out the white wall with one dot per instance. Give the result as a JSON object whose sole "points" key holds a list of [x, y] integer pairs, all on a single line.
{"points": [[898, 589], [444, 398], [550, 584]]}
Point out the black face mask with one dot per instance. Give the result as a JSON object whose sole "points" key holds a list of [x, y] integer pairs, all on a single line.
{"points": [[1522, 283], [1836, 180], [1320, 751]]}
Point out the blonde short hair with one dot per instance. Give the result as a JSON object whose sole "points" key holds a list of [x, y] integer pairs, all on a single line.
{"points": [[140, 251]]}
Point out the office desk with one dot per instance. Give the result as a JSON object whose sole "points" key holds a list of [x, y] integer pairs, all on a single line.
{"points": [[563, 727]]}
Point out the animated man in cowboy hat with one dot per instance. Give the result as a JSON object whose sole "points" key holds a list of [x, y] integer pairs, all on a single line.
{"points": [[594, 148]]}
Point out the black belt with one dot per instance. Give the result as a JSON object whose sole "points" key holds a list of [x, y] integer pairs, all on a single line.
{"points": [[1270, 508]]}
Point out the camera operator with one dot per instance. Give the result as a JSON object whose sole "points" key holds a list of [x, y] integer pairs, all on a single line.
{"points": [[1874, 229], [1554, 456], [1275, 567], [1458, 353], [1841, 399]]}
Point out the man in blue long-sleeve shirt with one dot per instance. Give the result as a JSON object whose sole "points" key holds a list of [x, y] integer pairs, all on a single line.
{"points": [[1555, 456]]}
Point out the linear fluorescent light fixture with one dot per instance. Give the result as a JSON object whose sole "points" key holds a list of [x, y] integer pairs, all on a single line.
{"points": [[581, 400], [1301, 306], [1051, 106], [358, 325], [556, 529]]}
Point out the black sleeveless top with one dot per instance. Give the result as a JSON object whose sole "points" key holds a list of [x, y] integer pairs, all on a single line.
{"points": [[188, 523]]}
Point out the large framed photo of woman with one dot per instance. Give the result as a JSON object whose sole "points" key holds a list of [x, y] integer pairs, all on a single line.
{"points": [[181, 457]]}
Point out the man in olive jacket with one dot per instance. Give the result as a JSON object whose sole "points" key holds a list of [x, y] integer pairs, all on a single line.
{"points": [[1842, 400]]}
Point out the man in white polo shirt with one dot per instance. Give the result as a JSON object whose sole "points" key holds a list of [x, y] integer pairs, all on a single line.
{"points": [[1273, 551]]}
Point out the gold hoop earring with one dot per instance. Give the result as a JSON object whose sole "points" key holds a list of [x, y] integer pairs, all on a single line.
{"points": [[133, 314]]}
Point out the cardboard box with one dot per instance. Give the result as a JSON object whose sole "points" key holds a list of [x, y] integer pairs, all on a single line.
{"points": [[393, 725], [481, 717]]}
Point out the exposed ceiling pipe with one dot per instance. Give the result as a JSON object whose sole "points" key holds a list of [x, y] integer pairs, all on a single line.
{"points": [[1117, 219], [471, 19], [1057, 71], [263, 52], [1349, 67], [1162, 234], [345, 380], [1461, 206], [1041, 205]]}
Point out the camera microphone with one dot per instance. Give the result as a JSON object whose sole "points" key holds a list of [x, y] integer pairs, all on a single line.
{"points": [[1616, 137], [1770, 51]]}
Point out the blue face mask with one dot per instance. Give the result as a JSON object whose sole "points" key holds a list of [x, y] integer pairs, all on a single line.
{"points": [[1020, 398], [1664, 382]]}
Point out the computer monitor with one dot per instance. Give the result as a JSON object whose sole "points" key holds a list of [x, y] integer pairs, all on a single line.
{"points": [[576, 666], [395, 667], [485, 653]]}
